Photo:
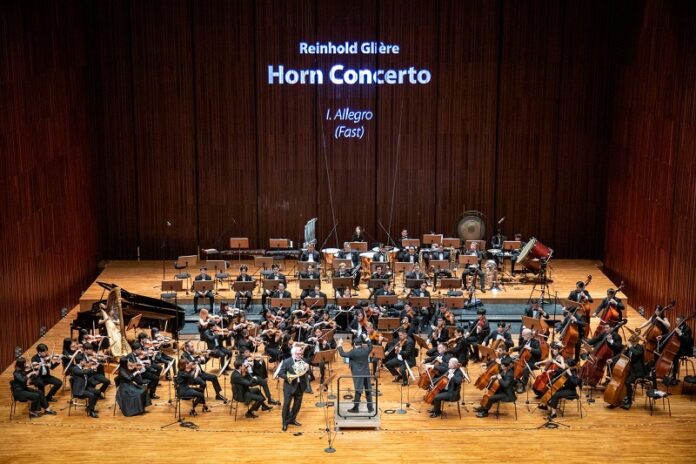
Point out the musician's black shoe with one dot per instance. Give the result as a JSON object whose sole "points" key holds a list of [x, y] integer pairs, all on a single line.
{"points": [[552, 416], [435, 414], [431, 410], [405, 383], [520, 389], [50, 412], [93, 415], [274, 402], [265, 407], [353, 410], [626, 405], [309, 389], [285, 427], [250, 415], [543, 407], [34, 414], [193, 413], [483, 290], [397, 379], [206, 409], [370, 410], [168, 376], [154, 397], [296, 423], [482, 413], [218, 396]]}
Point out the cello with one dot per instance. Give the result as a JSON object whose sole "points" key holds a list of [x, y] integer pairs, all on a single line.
{"points": [[485, 378], [436, 388], [558, 382], [669, 349], [493, 387], [593, 370]]}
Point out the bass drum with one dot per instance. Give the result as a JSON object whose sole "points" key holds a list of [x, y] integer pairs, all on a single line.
{"points": [[471, 226]]}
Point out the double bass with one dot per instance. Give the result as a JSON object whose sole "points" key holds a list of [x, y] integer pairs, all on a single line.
{"points": [[569, 337], [651, 334], [586, 309], [593, 370], [608, 314], [669, 348], [616, 389]]}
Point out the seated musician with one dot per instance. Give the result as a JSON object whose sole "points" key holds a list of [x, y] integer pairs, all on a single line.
{"points": [[416, 273], [477, 331], [381, 256], [497, 241], [311, 273], [534, 347], [452, 392], [385, 289], [21, 391], [500, 334], [310, 254], [99, 377], [281, 292], [438, 334], [131, 396], [359, 324], [506, 390], [686, 347], [438, 253], [347, 253], [381, 273], [259, 372], [409, 255], [459, 346], [568, 390], [535, 311], [245, 390], [70, 349], [189, 355], [243, 294], [318, 342], [358, 235], [469, 278], [46, 363], [316, 293], [276, 276], [421, 292], [272, 337], [441, 355], [80, 385], [580, 293], [405, 353], [611, 300], [187, 387], [208, 294], [552, 364], [151, 372], [242, 340], [213, 338], [516, 253]]}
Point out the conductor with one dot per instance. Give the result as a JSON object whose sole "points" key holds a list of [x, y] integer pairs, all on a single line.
{"points": [[360, 370]]}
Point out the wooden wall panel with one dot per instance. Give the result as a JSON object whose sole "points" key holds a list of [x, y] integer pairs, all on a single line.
{"points": [[345, 167], [530, 61], [466, 110], [48, 239], [407, 120], [650, 237], [164, 126], [225, 103], [285, 115]]}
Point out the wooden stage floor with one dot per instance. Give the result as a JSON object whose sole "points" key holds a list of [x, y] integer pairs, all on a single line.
{"points": [[601, 435]]}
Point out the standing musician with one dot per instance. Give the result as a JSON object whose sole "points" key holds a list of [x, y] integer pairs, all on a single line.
{"points": [[360, 370], [187, 387], [310, 254], [80, 385], [405, 351], [614, 342], [294, 371], [21, 391], [580, 294], [452, 392], [276, 276], [659, 319], [506, 390], [534, 347], [637, 369], [46, 362], [570, 317], [208, 294], [610, 300], [358, 235], [245, 389], [151, 372], [189, 355], [477, 331], [568, 390], [686, 347], [244, 294]]}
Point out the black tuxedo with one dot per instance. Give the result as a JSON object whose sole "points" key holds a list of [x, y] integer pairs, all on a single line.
{"points": [[208, 294], [45, 378], [605, 304], [80, 387], [203, 377], [245, 390], [316, 256], [506, 391], [452, 392], [353, 256], [380, 258], [292, 391], [575, 296], [407, 257]]}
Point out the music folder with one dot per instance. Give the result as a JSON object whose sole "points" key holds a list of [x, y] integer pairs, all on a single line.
{"points": [[243, 286], [308, 284], [386, 300], [203, 286]]}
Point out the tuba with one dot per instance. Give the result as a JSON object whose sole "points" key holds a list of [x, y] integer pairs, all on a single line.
{"points": [[300, 367]]}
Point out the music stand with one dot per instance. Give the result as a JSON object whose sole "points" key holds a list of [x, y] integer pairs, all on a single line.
{"points": [[173, 285], [239, 244], [271, 284], [481, 244], [217, 264], [264, 262], [338, 261], [451, 243], [453, 302], [275, 243], [450, 282], [376, 283], [419, 301], [342, 282], [486, 353], [280, 302], [413, 283], [314, 302], [429, 239], [133, 323], [203, 286], [386, 300], [302, 266], [512, 245], [410, 242], [439, 264], [243, 285], [326, 384], [388, 323], [377, 353], [358, 246], [374, 264], [468, 260], [308, 284], [185, 261], [403, 266], [344, 301]]}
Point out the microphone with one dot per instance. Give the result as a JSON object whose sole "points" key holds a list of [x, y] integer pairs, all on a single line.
{"points": [[501, 220]]}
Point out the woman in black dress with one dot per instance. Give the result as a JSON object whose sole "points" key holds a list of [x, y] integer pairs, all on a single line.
{"points": [[23, 392], [132, 394]]}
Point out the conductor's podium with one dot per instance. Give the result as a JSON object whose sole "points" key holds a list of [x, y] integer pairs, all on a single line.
{"points": [[343, 419]]}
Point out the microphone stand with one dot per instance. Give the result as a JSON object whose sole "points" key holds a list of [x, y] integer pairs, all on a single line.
{"points": [[389, 237], [165, 248], [327, 237]]}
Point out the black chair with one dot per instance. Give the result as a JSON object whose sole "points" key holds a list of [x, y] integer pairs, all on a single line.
{"points": [[562, 404], [497, 409], [653, 396], [457, 401], [13, 406], [642, 382], [73, 399], [177, 404]]}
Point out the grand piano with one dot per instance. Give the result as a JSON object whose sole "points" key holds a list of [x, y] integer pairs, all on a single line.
{"points": [[153, 310]]}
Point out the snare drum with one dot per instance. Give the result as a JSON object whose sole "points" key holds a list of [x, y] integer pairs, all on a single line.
{"points": [[329, 255], [532, 254]]}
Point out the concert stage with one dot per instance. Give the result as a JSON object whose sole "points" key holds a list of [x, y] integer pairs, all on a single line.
{"points": [[600, 434]]}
